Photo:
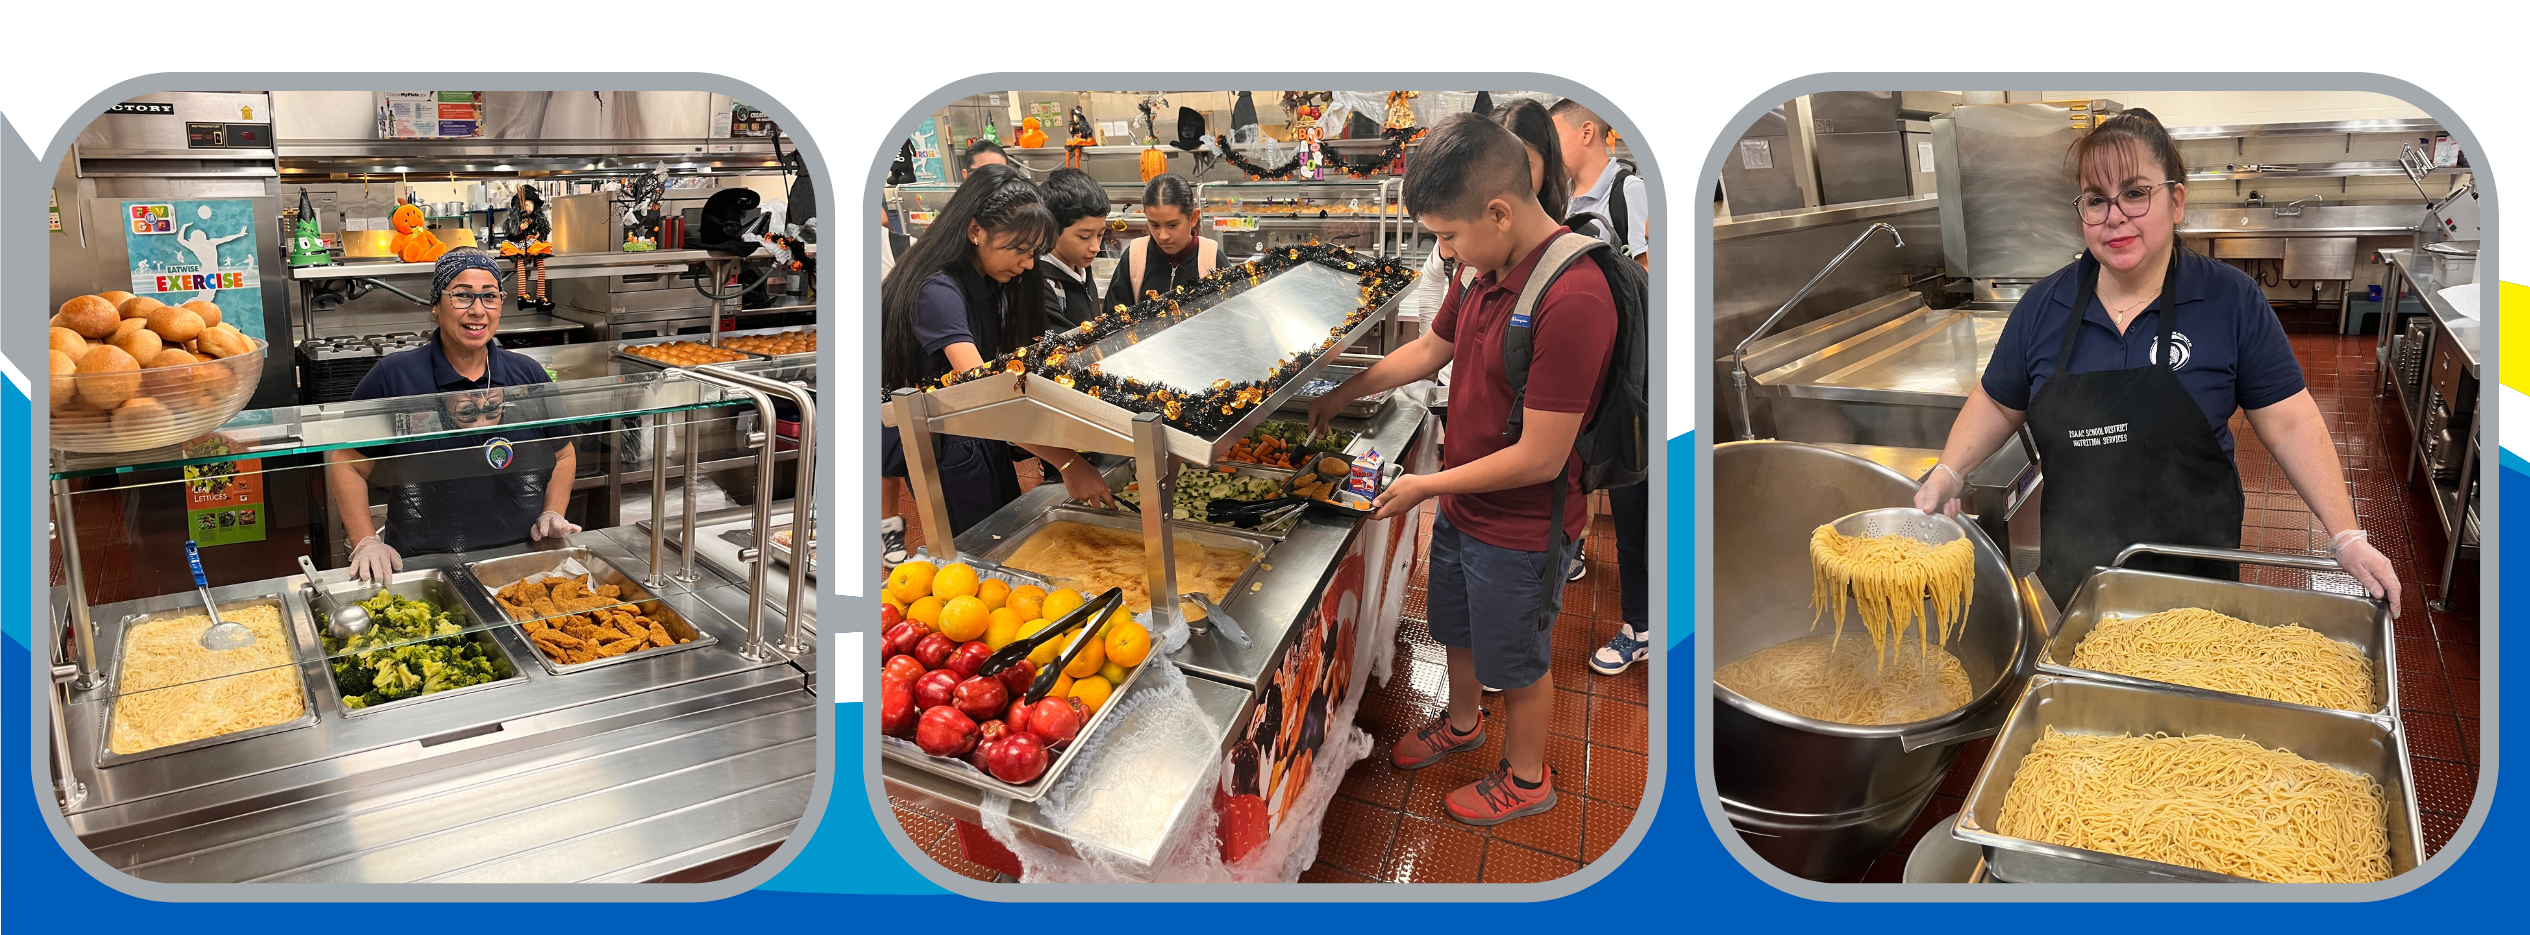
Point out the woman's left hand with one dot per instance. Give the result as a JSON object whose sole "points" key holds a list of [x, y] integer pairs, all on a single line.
{"points": [[2354, 552], [1082, 482]]}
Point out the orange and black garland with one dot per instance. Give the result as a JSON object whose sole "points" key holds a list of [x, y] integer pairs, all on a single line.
{"points": [[1357, 168]]}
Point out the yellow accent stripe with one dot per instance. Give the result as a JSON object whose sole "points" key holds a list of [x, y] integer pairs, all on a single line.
{"points": [[2513, 322]]}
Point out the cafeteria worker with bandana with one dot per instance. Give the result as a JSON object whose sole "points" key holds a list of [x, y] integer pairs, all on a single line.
{"points": [[2127, 366], [456, 493]]}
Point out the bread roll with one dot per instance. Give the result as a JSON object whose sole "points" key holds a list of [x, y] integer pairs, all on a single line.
{"points": [[176, 323], [141, 343], [166, 374], [108, 376], [222, 341], [218, 381], [143, 414], [138, 306], [65, 388], [92, 317], [69, 342], [126, 326], [79, 417], [116, 296], [210, 313]]}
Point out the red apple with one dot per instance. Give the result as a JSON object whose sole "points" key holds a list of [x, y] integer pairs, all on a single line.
{"points": [[992, 730], [899, 640], [1016, 715], [1057, 719], [1018, 677], [1018, 758], [934, 650], [896, 710], [969, 658], [980, 698], [904, 667], [889, 616], [934, 688], [945, 731]]}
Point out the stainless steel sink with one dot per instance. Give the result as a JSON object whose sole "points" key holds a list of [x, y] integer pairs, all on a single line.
{"points": [[2314, 221]]}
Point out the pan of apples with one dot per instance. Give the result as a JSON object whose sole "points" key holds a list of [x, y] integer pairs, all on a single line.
{"points": [[1000, 718]]}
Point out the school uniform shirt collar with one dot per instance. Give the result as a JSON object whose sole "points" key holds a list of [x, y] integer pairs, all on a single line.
{"points": [[444, 375], [1582, 202], [2191, 289], [1077, 275]]}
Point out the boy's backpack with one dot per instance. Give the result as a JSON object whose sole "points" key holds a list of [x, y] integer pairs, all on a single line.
{"points": [[1617, 219], [1614, 442]]}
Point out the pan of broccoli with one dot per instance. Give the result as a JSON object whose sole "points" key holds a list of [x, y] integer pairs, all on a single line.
{"points": [[421, 643]]}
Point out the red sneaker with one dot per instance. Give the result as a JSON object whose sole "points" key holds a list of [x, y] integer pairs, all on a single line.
{"points": [[1432, 742], [1495, 798]]}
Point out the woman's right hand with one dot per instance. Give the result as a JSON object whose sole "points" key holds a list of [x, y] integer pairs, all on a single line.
{"points": [[1323, 412], [374, 561], [1940, 491]]}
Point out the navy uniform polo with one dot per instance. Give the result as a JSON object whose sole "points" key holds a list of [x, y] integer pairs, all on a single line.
{"points": [[425, 371], [460, 493], [2231, 350]]}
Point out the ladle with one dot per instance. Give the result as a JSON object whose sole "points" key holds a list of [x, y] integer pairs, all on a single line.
{"points": [[222, 635], [342, 621]]}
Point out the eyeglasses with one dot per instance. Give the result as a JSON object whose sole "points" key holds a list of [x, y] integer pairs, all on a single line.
{"points": [[466, 300], [2134, 203]]}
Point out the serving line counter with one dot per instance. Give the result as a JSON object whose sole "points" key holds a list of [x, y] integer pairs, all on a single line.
{"points": [[687, 757], [1252, 720]]}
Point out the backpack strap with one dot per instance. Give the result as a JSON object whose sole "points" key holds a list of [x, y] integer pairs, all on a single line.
{"points": [[1136, 259], [1617, 214], [1519, 334]]}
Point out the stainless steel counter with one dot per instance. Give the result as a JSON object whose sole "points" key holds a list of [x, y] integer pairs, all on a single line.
{"points": [[2463, 329], [624, 773]]}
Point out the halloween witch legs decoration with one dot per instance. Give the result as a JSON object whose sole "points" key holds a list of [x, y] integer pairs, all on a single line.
{"points": [[527, 243]]}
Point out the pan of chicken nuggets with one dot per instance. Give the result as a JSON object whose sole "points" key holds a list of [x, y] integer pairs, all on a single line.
{"points": [[580, 612]]}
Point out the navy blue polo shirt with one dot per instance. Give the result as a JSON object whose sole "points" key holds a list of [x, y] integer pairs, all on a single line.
{"points": [[424, 371], [2232, 353]]}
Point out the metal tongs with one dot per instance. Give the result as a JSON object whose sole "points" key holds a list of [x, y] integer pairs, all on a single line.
{"points": [[1009, 655], [1250, 514], [221, 635], [1220, 620]]}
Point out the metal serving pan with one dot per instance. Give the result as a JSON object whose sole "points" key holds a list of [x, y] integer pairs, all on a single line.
{"points": [[291, 626], [495, 574], [1220, 537], [2086, 706], [623, 350], [903, 751], [2114, 591], [1280, 476], [744, 538], [422, 585], [1326, 381], [759, 332]]}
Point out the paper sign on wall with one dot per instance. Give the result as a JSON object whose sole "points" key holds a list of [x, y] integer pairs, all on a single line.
{"points": [[181, 251], [224, 502], [429, 115], [1756, 154], [1923, 156]]}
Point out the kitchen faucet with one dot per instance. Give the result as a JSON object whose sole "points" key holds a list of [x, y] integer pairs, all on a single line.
{"points": [[2294, 209], [1739, 353]]}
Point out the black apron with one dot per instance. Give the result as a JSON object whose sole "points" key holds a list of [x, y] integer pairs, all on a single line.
{"points": [[455, 501], [2128, 458]]}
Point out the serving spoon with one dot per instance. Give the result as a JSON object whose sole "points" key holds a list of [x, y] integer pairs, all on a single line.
{"points": [[342, 621], [222, 635]]}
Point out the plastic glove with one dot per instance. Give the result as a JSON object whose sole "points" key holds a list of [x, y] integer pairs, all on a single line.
{"points": [[374, 561], [1940, 491], [551, 525], [2352, 548]]}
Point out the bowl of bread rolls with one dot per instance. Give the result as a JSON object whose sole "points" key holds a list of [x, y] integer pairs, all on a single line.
{"points": [[131, 373]]}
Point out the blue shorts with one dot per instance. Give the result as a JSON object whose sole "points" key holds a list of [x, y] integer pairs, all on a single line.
{"points": [[1486, 599]]}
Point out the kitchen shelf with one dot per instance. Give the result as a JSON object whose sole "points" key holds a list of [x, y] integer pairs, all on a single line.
{"points": [[2403, 125], [2321, 170]]}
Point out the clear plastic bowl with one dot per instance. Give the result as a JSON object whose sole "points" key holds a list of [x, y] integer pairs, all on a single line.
{"points": [[190, 400]]}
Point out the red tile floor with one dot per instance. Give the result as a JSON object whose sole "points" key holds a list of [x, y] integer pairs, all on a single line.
{"points": [[1387, 824], [2437, 652]]}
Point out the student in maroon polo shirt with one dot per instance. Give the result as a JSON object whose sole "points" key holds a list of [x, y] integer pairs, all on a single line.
{"points": [[1472, 187]]}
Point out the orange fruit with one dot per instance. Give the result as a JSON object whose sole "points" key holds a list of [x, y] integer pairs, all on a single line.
{"points": [[1043, 655], [1062, 687], [1004, 628], [1062, 602], [926, 611], [964, 618], [1092, 691], [956, 580], [994, 592], [1027, 605], [1128, 643], [911, 581], [1113, 673], [1092, 657]]}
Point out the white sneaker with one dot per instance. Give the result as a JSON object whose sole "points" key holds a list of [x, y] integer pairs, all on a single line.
{"points": [[891, 543]]}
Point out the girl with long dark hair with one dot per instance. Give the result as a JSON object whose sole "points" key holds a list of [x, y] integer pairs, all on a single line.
{"points": [[963, 294], [1174, 254]]}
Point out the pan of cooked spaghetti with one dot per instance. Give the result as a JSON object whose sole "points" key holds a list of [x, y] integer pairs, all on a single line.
{"points": [[169, 694]]}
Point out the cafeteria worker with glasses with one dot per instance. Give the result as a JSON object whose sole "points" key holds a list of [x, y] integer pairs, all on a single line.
{"points": [[2127, 365], [464, 492]]}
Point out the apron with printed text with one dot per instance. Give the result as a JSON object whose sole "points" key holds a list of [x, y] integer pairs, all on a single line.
{"points": [[2128, 458]]}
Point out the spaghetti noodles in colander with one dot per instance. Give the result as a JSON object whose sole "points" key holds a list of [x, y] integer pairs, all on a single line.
{"points": [[2201, 648], [1890, 578], [170, 689], [2212, 803], [1815, 678]]}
